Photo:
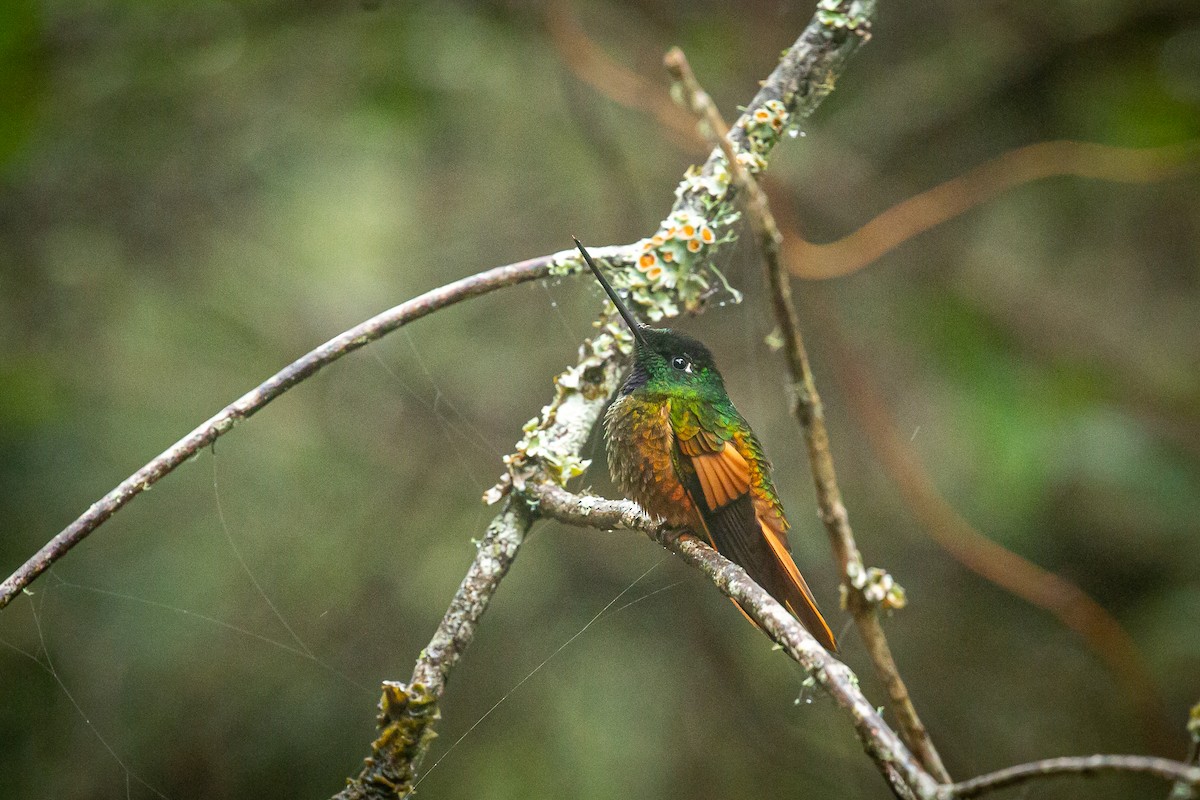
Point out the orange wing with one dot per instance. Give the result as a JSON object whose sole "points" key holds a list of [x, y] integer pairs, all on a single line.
{"points": [[724, 475], [747, 527]]}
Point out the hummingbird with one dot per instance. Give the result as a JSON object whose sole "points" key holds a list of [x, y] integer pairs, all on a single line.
{"points": [[679, 448]]}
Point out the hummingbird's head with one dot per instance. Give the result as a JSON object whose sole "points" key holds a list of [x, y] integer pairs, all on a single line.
{"points": [[664, 360], [667, 361]]}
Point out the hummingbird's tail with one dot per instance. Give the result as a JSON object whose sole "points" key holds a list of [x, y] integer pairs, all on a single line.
{"points": [[743, 536], [796, 596]]}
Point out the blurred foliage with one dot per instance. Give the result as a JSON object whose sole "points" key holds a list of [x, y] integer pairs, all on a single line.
{"points": [[193, 194]]}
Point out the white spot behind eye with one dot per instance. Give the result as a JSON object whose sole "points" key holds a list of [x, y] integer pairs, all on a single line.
{"points": [[688, 368]]}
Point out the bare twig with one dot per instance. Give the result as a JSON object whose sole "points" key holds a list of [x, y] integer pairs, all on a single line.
{"points": [[904, 774], [409, 711], [255, 399], [808, 411], [1074, 765]]}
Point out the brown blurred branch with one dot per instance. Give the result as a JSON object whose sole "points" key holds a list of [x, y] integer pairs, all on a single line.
{"points": [[808, 411], [249, 403], [1076, 765], [904, 774], [1073, 607], [590, 64], [945, 201]]}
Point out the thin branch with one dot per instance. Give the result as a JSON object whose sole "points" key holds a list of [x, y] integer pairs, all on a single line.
{"points": [[805, 76], [808, 411], [408, 711], [255, 399], [1074, 765], [904, 774]]}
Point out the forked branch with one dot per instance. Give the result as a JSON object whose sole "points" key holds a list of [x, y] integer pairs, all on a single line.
{"points": [[549, 453]]}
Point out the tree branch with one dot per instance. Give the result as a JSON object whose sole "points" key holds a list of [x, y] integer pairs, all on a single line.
{"points": [[408, 711], [591, 65], [1074, 765], [246, 405], [808, 411], [905, 776], [549, 452]]}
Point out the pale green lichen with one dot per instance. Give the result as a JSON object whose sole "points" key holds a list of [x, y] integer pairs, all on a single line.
{"points": [[406, 718], [565, 262], [763, 128], [842, 15], [552, 440], [876, 586], [538, 445]]}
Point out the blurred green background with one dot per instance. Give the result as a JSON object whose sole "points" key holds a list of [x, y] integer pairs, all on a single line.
{"points": [[194, 194]]}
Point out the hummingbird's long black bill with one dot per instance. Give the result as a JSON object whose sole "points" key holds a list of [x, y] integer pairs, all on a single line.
{"points": [[626, 314]]}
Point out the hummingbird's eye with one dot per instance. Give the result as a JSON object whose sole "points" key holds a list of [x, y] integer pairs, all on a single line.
{"points": [[680, 363]]}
